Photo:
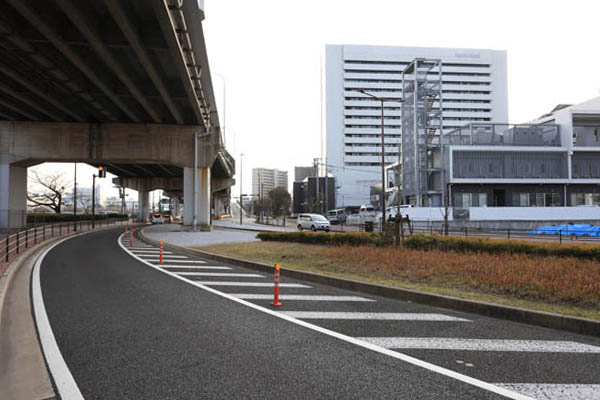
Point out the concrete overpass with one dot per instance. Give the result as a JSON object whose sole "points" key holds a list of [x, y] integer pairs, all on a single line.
{"points": [[120, 83]]}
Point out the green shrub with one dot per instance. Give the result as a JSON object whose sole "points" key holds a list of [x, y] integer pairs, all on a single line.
{"points": [[478, 245], [339, 239], [437, 242]]}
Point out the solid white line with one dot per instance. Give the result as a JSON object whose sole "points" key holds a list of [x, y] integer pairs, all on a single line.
{"points": [[251, 296], [534, 346], [383, 316], [142, 248], [555, 391], [65, 384], [252, 284], [175, 267], [399, 356], [220, 274], [176, 261]]}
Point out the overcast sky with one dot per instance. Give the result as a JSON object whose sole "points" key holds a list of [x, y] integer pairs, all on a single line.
{"points": [[269, 52]]}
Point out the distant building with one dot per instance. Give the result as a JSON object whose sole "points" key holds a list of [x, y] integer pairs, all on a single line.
{"points": [[474, 89], [265, 179], [301, 173], [306, 193]]}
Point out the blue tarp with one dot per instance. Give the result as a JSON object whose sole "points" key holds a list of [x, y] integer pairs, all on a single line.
{"points": [[567, 230]]}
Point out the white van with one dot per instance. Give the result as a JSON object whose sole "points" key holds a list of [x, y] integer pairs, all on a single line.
{"points": [[336, 216], [366, 213]]}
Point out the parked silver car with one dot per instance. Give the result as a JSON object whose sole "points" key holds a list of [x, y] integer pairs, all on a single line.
{"points": [[314, 222]]}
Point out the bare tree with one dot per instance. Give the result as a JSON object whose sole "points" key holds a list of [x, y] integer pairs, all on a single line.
{"points": [[49, 190]]}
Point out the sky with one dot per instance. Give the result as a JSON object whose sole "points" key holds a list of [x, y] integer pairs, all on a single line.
{"points": [[268, 53]]}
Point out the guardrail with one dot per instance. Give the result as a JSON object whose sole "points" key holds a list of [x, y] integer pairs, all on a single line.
{"points": [[12, 245]]}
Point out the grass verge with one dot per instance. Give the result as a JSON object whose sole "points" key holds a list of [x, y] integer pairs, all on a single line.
{"points": [[559, 285]]}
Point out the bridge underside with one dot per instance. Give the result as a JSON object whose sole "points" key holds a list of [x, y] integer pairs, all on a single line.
{"points": [[120, 83]]}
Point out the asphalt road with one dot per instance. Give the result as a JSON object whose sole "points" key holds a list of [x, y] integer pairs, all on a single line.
{"points": [[127, 330]]}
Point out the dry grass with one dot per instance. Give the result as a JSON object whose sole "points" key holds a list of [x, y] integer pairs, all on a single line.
{"points": [[565, 285]]}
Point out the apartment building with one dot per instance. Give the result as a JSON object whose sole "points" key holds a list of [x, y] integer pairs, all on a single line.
{"points": [[265, 179], [474, 89]]}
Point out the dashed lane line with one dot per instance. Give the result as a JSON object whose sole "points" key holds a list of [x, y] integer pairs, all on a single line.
{"points": [[534, 346], [381, 316], [289, 297]]}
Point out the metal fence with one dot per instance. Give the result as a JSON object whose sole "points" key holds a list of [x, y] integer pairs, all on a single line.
{"points": [[14, 244], [559, 237]]}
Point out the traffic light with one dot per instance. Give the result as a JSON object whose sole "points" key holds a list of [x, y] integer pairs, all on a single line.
{"points": [[101, 172]]}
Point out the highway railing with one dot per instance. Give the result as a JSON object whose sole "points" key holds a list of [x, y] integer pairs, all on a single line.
{"points": [[14, 244]]}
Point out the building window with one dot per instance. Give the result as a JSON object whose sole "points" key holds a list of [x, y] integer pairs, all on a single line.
{"points": [[536, 199], [585, 199], [466, 200]]}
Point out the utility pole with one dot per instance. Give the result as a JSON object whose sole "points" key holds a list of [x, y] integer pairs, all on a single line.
{"points": [[316, 169], [241, 191]]}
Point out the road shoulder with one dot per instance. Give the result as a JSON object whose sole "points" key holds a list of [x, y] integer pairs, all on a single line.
{"points": [[24, 374]]}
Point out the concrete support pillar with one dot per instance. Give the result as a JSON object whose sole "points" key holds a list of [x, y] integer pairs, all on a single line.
{"points": [[175, 203], [13, 197], [201, 202], [143, 206]]}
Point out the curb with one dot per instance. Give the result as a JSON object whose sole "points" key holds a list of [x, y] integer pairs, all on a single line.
{"points": [[31, 255], [33, 363], [231, 228], [540, 318]]}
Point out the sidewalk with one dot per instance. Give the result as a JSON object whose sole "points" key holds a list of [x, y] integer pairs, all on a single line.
{"points": [[250, 225], [173, 233]]}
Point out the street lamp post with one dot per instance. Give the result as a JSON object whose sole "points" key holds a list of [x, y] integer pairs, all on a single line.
{"points": [[241, 191], [382, 100]]}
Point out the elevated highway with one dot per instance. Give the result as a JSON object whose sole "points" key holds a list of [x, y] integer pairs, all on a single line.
{"points": [[120, 83]]}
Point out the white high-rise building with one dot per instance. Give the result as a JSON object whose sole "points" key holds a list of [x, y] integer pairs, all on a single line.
{"points": [[269, 178], [474, 89]]}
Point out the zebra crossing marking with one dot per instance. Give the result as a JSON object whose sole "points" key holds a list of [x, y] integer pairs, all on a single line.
{"points": [[533, 346], [375, 316]]}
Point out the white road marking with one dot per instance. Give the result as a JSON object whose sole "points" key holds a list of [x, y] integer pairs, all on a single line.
{"points": [[252, 284], [555, 391], [151, 252], [179, 262], [142, 248], [251, 296], [220, 274], [164, 257], [176, 267], [378, 349], [534, 346], [372, 316], [63, 379]]}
